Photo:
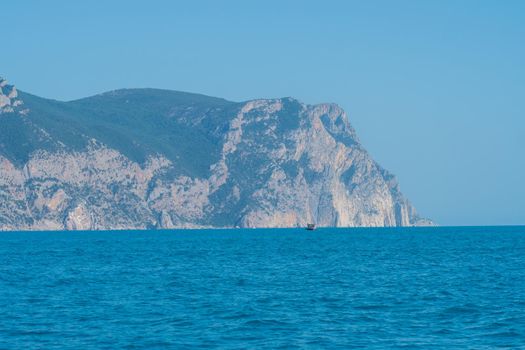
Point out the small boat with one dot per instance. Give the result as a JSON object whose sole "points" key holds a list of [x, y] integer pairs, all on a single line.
{"points": [[310, 227]]}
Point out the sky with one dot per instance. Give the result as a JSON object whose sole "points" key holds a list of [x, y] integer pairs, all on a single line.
{"points": [[435, 89]]}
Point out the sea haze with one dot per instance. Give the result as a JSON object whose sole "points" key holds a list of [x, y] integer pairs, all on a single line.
{"points": [[436, 287]]}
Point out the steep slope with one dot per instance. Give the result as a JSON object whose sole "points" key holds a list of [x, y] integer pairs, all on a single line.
{"points": [[147, 158]]}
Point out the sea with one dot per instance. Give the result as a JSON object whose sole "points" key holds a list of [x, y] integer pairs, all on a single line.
{"points": [[369, 288]]}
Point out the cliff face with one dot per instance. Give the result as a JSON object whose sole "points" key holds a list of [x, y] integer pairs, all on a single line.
{"points": [[149, 158]]}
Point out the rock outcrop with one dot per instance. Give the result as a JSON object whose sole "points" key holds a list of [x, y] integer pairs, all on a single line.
{"points": [[144, 158], [8, 98]]}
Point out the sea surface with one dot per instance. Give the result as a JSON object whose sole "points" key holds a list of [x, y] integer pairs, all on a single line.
{"points": [[403, 288]]}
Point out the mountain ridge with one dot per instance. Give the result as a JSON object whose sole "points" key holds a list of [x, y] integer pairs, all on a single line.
{"points": [[155, 158]]}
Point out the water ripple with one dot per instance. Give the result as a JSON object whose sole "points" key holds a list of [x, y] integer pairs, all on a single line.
{"points": [[438, 288]]}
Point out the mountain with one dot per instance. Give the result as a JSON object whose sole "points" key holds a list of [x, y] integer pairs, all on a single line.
{"points": [[149, 158]]}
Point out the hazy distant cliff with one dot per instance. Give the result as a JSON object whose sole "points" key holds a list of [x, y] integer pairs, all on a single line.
{"points": [[146, 158]]}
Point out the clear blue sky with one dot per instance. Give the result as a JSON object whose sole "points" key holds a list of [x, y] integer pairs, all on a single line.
{"points": [[435, 89]]}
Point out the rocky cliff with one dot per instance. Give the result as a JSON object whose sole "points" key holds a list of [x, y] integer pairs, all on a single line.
{"points": [[146, 158]]}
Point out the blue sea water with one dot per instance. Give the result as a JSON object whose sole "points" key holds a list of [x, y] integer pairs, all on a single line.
{"points": [[407, 288]]}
